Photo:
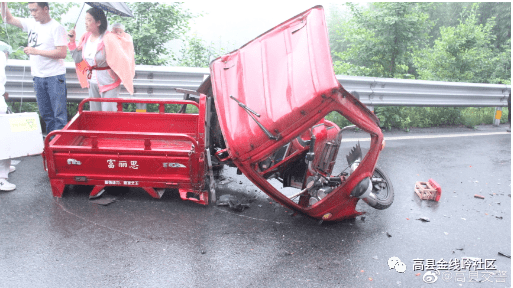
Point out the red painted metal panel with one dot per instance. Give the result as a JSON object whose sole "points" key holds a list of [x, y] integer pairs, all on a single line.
{"points": [[280, 75]]}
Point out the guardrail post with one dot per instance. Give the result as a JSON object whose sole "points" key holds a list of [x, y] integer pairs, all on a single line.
{"points": [[498, 115]]}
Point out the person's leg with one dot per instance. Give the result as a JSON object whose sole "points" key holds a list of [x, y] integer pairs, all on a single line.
{"points": [[58, 96], [43, 103], [94, 93], [113, 93], [4, 172]]}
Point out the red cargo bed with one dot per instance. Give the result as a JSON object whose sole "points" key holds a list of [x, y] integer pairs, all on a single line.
{"points": [[153, 151]]}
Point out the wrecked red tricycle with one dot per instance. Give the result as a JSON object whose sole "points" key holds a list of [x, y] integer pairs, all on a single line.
{"points": [[267, 118]]}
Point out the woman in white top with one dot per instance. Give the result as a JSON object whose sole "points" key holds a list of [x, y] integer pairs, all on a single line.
{"points": [[103, 81]]}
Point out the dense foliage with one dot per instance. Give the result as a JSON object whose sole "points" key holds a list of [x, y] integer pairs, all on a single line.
{"points": [[195, 52], [461, 42], [154, 24]]}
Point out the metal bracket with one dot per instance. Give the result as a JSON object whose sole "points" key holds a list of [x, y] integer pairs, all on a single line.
{"points": [[212, 186]]}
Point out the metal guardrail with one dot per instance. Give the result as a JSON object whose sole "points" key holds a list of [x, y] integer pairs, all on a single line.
{"points": [[160, 82]]}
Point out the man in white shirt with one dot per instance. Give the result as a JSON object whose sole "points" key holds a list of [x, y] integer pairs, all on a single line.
{"points": [[47, 49], [5, 164]]}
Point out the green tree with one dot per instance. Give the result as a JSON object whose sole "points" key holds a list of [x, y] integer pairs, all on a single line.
{"points": [[153, 25], [448, 14], [466, 53], [195, 52], [500, 13], [380, 40]]}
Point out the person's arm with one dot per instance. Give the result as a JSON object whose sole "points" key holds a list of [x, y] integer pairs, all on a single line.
{"points": [[58, 53], [59, 40], [9, 19]]}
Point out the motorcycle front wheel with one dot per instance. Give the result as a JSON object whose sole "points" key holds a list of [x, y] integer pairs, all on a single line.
{"points": [[382, 188]]}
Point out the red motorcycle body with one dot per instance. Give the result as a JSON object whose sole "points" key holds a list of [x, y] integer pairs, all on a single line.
{"points": [[285, 77]]}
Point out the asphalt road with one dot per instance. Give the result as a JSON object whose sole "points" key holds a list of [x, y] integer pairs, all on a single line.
{"points": [[138, 241]]}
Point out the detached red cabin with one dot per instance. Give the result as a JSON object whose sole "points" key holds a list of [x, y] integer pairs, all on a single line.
{"points": [[271, 96]]}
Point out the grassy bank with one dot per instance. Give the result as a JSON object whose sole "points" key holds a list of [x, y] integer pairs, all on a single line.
{"points": [[408, 117]]}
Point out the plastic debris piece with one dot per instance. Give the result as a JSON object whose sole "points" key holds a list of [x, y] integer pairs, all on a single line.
{"points": [[224, 199], [446, 233], [424, 219], [429, 190], [375, 257], [226, 181], [505, 255], [232, 202], [103, 201], [479, 196]]}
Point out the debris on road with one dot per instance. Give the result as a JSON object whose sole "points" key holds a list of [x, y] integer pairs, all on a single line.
{"points": [[479, 196], [424, 219], [505, 255], [103, 201], [498, 217], [429, 190], [389, 235], [226, 181], [233, 202], [375, 257]]}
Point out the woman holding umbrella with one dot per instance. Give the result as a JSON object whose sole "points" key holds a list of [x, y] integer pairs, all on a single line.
{"points": [[103, 63]]}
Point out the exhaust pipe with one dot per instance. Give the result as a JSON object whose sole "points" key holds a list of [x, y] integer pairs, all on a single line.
{"points": [[364, 191]]}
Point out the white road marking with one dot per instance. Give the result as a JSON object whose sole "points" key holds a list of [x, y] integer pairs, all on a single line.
{"points": [[428, 136]]}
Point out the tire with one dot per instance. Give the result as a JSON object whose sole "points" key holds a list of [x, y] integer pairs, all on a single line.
{"points": [[383, 190]]}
